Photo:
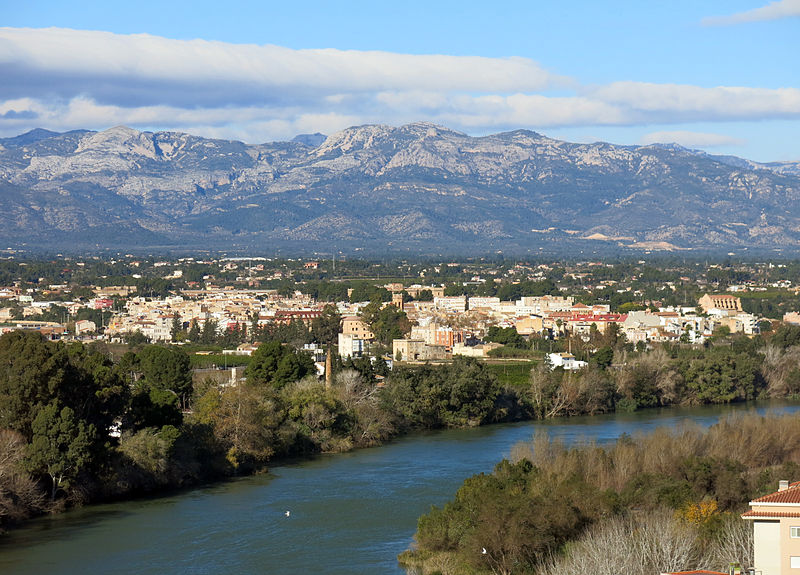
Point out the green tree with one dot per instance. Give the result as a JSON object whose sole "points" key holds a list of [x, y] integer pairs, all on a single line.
{"points": [[167, 369], [512, 291], [36, 372], [319, 419], [135, 338], [603, 357], [254, 329], [194, 332], [209, 333], [246, 420], [152, 407], [273, 364], [711, 381], [61, 446], [508, 336], [786, 336], [424, 295], [325, 329], [364, 291], [176, 331], [457, 395], [29, 379], [721, 331], [162, 385], [386, 322], [96, 388]]}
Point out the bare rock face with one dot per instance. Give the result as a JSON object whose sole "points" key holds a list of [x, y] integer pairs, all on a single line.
{"points": [[418, 187]]}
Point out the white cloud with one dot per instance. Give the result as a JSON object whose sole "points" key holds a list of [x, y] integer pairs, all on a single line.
{"points": [[772, 11], [675, 102], [145, 70], [691, 139], [67, 79]]}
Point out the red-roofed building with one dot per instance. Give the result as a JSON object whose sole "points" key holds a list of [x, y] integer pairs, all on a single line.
{"points": [[102, 303], [776, 530], [286, 316]]}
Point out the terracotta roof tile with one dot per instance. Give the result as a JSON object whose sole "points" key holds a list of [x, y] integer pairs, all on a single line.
{"points": [[790, 495], [772, 514]]}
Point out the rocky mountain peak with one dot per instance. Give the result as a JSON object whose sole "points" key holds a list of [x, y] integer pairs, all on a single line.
{"points": [[33, 136], [419, 186], [353, 139], [427, 130], [119, 140]]}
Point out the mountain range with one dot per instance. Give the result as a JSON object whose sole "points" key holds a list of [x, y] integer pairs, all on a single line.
{"points": [[418, 188]]}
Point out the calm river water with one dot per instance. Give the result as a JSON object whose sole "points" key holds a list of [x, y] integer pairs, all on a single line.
{"points": [[350, 513]]}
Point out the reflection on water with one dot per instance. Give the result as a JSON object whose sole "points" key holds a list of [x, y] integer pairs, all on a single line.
{"points": [[350, 513]]}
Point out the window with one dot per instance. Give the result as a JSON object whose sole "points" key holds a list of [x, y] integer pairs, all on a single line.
{"points": [[795, 532], [794, 562]]}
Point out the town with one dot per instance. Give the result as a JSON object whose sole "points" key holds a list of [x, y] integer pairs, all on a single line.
{"points": [[256, 359], [545, 304]]}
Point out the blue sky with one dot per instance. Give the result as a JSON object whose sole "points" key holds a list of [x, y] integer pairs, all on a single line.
{"points": [[720, 76]]}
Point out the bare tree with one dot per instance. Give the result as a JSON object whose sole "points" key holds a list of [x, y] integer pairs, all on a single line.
{"points": [[733, 543], [20, 496], [354, 390], [639, 545], [780, 369]]}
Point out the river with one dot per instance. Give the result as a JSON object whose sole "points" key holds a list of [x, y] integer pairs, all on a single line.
{"points": [[349, 513]]}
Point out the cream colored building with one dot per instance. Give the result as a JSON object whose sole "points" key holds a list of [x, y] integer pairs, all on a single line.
{"points": [[351, 346], [357, 328], [529, 325], [729, 303], [453, 304], [776, 530], [416, 350], [480, 350], [414, 290], [741, 323], [484, 302]]}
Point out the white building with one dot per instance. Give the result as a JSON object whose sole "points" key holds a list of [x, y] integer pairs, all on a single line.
{"points": [[85, 326], [565, 360], [456, 304], [351, 345]]}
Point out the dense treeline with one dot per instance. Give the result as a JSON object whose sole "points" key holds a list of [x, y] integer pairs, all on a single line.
{"points": [[727, 369], [77, 427], [682, 488], [61, 409]]}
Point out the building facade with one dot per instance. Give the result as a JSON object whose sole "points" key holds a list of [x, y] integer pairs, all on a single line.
{"points": [[776, 530]]}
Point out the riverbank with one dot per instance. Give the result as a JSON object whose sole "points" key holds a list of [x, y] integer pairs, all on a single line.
{"points": [[359, 509], [691, 483], [283, 410]]}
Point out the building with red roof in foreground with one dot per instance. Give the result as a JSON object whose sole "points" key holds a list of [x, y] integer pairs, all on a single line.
{"points": [[776, 530]]}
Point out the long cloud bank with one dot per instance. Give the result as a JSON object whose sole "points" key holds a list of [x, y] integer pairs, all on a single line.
{"points": [[66, 79]]}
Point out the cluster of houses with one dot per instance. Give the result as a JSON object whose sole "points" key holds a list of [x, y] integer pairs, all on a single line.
{"points": [[441, 328], [456, 325]]}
